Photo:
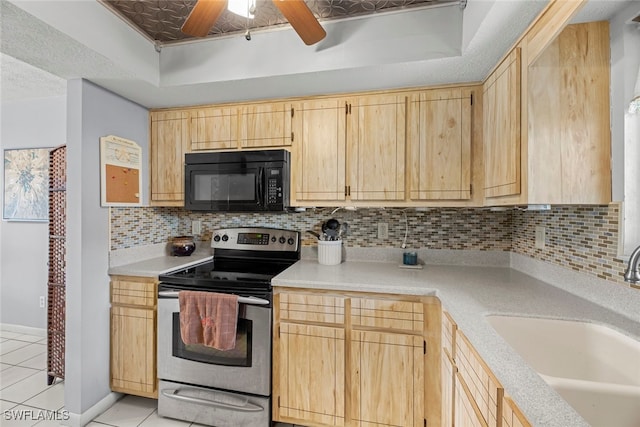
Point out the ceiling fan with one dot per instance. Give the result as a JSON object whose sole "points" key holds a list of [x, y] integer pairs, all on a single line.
{"points": [[206, 12]]}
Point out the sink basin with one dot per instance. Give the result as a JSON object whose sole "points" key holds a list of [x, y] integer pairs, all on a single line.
{"points": [[594, 368]]}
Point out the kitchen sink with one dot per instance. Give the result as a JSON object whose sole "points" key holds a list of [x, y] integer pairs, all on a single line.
{"points": [[594, 368]]}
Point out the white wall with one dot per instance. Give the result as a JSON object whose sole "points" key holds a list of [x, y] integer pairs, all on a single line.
{"points": [[625, 60], [92, 112], [35, 123]]}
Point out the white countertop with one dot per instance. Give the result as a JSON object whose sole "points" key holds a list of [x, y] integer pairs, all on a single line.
{"points": [[470, 293], [153, 267]]}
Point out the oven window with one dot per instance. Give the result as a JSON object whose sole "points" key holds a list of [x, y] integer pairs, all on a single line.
{"points": [[238, 356], [224, 187]]}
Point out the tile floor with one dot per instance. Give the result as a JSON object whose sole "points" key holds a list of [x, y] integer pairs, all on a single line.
{"points": [[24, 392]]}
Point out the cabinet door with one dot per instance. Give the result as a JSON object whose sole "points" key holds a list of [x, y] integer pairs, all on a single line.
{"points": [[266, 125], [501, 111], [214, 128], [168, 145], [133, 351], [465, 408], [511, 414], [320, 165], [310, 385], [440, 144], [377, 134], [387, 379], [447, 373]]}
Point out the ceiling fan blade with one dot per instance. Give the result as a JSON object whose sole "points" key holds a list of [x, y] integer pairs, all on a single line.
{"points": [[302, 20], [202, 17]]}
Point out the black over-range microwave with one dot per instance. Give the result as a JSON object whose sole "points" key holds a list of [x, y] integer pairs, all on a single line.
{"points": [[237, 181]]}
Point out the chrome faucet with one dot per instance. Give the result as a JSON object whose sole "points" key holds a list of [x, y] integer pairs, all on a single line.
{"points": [[632, 274]]}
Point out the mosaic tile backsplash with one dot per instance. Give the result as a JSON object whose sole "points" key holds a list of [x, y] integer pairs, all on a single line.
{"points": [[432, 229], [582, 238]]}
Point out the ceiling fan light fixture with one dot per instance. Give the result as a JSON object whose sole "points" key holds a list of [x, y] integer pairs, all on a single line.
{"points": [[241, 7]]}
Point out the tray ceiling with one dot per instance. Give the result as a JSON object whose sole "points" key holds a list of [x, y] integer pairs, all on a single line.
{"points": [[161, 20]]}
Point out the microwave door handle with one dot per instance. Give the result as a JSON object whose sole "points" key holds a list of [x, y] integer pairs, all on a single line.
{"points": [[261, 187]]}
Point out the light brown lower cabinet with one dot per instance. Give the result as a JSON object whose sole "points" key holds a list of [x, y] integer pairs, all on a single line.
{"points": [[351, 360], [133, 336], [471, 394]]}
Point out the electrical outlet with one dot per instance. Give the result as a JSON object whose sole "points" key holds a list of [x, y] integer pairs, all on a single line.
{"points": [[42, 302], [196, 227], [540, 237], [383, 230]]}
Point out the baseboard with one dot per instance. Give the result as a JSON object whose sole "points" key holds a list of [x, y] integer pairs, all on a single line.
{"points": [[26, 330], [81, 420]]}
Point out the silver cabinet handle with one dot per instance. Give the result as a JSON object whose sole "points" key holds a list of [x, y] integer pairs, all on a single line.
{"points": [[246, 407], [241, 300]]}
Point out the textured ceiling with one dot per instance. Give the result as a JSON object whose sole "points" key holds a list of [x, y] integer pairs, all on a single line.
{"points": [[66, 39], [161, 20]]}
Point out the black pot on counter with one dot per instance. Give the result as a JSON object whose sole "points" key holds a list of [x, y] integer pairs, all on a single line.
{"points": [[182, 246]]}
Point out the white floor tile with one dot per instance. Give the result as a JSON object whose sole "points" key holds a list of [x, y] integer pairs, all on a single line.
{"points": [[97, 424], [3, 339], [38, 362], [4, 405], [25, 389], [4, 366], [8, 334], [156, 420], [14, 374], [11, 345], [22, 416], [29, 338], [129, 411], [24, 353], [52, 398]]}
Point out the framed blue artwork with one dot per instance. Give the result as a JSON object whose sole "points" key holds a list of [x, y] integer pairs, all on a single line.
{"points": [[26, 184]]}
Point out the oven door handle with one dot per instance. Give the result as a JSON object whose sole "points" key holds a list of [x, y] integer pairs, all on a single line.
{"points": [[245, 407], [241, 300]]}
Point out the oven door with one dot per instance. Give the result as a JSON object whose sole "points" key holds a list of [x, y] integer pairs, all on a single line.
{"points": [[246, 368]]}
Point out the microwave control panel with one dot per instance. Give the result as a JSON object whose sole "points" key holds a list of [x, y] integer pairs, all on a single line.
{"points": [[274, 186]]}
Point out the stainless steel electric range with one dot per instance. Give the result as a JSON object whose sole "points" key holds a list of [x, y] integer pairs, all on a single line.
{"points": [[224, 388]]}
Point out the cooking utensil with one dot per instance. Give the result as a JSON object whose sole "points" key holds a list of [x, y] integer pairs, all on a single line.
{"points": [[331, 229]]}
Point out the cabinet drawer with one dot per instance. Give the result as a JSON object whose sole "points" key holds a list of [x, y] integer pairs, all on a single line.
{"points": [[482, 384], [449, 328], [311, 308], [133, 292], [387, 314]]}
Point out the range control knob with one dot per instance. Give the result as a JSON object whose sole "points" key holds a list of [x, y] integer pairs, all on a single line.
{"points": [[291, 241], [273, 239], [216, 238], [225, 238], [282, 240]]}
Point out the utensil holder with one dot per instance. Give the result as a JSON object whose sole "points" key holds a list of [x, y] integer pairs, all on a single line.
{"points": [[329, 252]]}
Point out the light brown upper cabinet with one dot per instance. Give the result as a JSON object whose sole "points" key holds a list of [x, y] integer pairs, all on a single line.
{"points": [[320, 156], [439, 138], [266, 125], [501, 111], [351, 149], [168, 144], [553, 144], [569, 138], [214, 128], [376, 140]]}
